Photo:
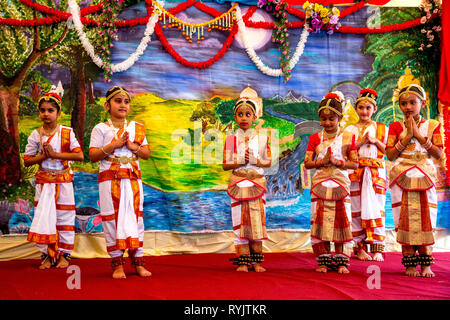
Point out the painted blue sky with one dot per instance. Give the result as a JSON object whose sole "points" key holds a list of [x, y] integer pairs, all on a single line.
{"points": [[327, 60]]}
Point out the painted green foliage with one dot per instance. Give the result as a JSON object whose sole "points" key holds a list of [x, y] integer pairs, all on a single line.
{"points": [[394, 51]]}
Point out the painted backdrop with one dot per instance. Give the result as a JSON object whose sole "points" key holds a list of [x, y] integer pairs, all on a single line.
{"points": [[183, 108]]}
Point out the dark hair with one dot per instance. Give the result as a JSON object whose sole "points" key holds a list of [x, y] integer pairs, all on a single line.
{"points": [[111, 91], [413, 89], [53, 103], [241, 103], [334, 103]]}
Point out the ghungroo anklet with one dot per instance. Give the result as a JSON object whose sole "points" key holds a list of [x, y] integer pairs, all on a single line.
{"points": [[425, 260], [117, 262], [243, 260], [257, 257], [409, 261]]}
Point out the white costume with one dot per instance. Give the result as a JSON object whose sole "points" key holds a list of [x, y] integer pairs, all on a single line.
{"points": [[54, 216], [368, 188], [120, 190]]}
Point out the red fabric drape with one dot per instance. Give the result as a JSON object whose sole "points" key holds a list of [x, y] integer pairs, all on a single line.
{"points": [[444, 80]]}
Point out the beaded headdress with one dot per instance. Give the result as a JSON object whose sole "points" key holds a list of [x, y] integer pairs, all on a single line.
{"points": [[250, 97], [115, 90], [245, 101], [327, 107], [414, 89], [367, 95], [51, 96]]}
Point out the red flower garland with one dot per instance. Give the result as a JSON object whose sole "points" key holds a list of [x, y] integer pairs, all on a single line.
{"points": [[201, 64], [59, 16], [382, 29], [354, 8]]}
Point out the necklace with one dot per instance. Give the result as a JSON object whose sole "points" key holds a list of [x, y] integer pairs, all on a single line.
{"points": [[43, 133], [330, 135], [125, 124]]}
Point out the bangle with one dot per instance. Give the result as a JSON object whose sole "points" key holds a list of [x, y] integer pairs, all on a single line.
{"points": [[137, 150], [399, 146], [428, 144], [108, 154]]}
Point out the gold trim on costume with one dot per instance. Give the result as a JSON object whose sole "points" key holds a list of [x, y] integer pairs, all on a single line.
{"points": [[122, 159]]}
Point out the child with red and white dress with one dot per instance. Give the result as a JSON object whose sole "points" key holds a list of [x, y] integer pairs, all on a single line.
{"points": [[52, 146], [332, 152], [118, 145]]}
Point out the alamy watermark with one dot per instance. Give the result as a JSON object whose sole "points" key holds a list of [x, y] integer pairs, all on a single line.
{"points": [[74, 280], [207, 147]]}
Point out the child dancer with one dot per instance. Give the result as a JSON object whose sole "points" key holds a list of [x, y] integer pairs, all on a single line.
{"points": [[411, 145], [331, 152], [247, 153], [53, 226], [119, 144], [368, 182]]}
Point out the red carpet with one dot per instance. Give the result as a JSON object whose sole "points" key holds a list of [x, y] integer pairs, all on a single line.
{"points": [[289, 276]]}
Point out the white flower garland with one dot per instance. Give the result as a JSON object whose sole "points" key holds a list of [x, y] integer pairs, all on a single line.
{"points": [[254, 57], [74, 9]]}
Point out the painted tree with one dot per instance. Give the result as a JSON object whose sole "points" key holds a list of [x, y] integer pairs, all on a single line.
{"points": [[394, 52], [205, 113], [71, 54], [21, 49]]}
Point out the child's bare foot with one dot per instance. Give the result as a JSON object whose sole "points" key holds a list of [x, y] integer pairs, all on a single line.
{"points": [[46, 264], [412, 272], [426, 272], [258, 268], [322, 269], [363, 255], [119, 273], [142, 272], [378, 256], [343, 269], [242, 268], [62, 262]]}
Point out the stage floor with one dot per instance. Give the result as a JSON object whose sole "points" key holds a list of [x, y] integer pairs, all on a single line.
{"points": [[289, 276]]}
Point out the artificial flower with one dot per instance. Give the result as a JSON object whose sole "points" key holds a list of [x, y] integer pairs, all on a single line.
{"points": [[334, 19], [335, 11], [324, 12]]}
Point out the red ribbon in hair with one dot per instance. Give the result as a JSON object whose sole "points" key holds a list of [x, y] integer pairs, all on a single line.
{"points": [[54, 95], [331, 95], [370, 91]]}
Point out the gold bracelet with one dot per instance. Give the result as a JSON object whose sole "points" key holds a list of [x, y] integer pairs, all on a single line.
{"points": [[137, 150], [108, 154], [399, 146], [428, 144]]}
